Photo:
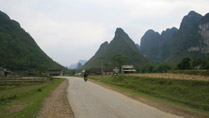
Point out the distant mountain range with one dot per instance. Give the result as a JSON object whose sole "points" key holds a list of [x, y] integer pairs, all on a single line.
{"points": [[77, 65], [169, 47], [121, 44], [19, 51], [190, 40]]}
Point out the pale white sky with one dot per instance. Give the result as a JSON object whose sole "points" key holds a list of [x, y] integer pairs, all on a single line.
{"points": [[70, 30]]}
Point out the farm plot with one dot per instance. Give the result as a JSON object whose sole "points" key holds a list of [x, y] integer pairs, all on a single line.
{"points": [[173, 76], [22, 80]]}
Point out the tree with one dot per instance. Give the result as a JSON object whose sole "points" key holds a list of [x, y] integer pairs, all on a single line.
{"points": [[118, 59], [184, 64], [196, 62], [162, 68]]}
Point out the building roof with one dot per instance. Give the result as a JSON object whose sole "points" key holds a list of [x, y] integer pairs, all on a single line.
{"points": [[133, 70]]}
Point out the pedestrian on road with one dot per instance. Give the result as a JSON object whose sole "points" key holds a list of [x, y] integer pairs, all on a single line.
{"points": [[85, 76]]}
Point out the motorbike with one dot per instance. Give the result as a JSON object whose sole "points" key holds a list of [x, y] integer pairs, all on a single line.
{"points": [[85, 79]]}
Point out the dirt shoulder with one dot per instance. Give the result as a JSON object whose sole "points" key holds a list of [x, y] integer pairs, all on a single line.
{"points": [[57, 105], [160, 106]]}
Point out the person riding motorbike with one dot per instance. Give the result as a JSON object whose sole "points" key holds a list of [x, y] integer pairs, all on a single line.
{"points": [[85, 76]]}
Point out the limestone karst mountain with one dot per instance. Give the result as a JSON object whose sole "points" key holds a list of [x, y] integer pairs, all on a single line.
{"points": [[190, 40], [121, 44], [19, 51]]}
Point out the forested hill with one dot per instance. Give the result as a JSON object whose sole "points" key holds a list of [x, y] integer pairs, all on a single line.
{"points": [[120, 45], [19, 51], [172, 45]]}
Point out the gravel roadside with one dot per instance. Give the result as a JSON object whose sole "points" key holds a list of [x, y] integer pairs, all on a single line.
{"points": [[57, 105]]}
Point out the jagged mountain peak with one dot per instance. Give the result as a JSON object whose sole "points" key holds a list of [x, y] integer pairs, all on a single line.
{"points": [[102, 47], [191, 20], [119, 33], [205, 19], [193, 14], [150, 33], [104, 44], [169, 30]]}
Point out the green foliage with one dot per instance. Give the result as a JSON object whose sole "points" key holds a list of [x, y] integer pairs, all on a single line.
{"points": [[184, 64], [205, 63], [196, 62], [118, 60], [161, 68], [188, 64], [19, 51]]}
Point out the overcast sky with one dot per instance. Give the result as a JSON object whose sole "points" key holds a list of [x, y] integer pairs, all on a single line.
{"points": [[70, 30]]}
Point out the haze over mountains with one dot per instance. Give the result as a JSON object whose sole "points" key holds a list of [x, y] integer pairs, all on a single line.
{"points": [[77, 65], [190, 40], [19, 51]]}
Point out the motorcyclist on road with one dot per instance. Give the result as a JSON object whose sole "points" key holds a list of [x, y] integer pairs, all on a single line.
{"points": [[85, 76]]}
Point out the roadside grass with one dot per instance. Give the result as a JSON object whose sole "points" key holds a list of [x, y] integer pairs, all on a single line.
{"points": [[190, 95], [25, 100]]}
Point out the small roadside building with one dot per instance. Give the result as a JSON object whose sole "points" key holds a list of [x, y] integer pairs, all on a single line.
{"points": [[55, 72], [4, 72], [127, 69], [115, 71]]}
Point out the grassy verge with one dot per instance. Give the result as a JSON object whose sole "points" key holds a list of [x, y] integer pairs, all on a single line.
{"points": [[190, 95], [24, 101]]}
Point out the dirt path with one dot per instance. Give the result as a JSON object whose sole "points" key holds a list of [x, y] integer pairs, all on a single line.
{"points": [[57, 105]]}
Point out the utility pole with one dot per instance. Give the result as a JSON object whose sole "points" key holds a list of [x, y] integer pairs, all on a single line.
{"points": [[102, 68]]}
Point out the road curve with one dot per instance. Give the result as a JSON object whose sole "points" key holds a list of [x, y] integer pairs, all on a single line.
{"points": [[89, 100]]}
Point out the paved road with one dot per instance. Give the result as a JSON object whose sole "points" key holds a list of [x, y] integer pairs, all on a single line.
{"points": [[89, 100]]}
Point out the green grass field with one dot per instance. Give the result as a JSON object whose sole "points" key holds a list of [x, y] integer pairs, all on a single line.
{"points": [[24, 100], [191, 95]]}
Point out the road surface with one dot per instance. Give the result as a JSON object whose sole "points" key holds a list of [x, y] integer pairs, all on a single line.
{"points": [[89, 100]]}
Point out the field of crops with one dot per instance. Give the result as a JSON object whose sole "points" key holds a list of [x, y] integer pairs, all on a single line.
{"points": [[22, 80], [173, 76]]}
